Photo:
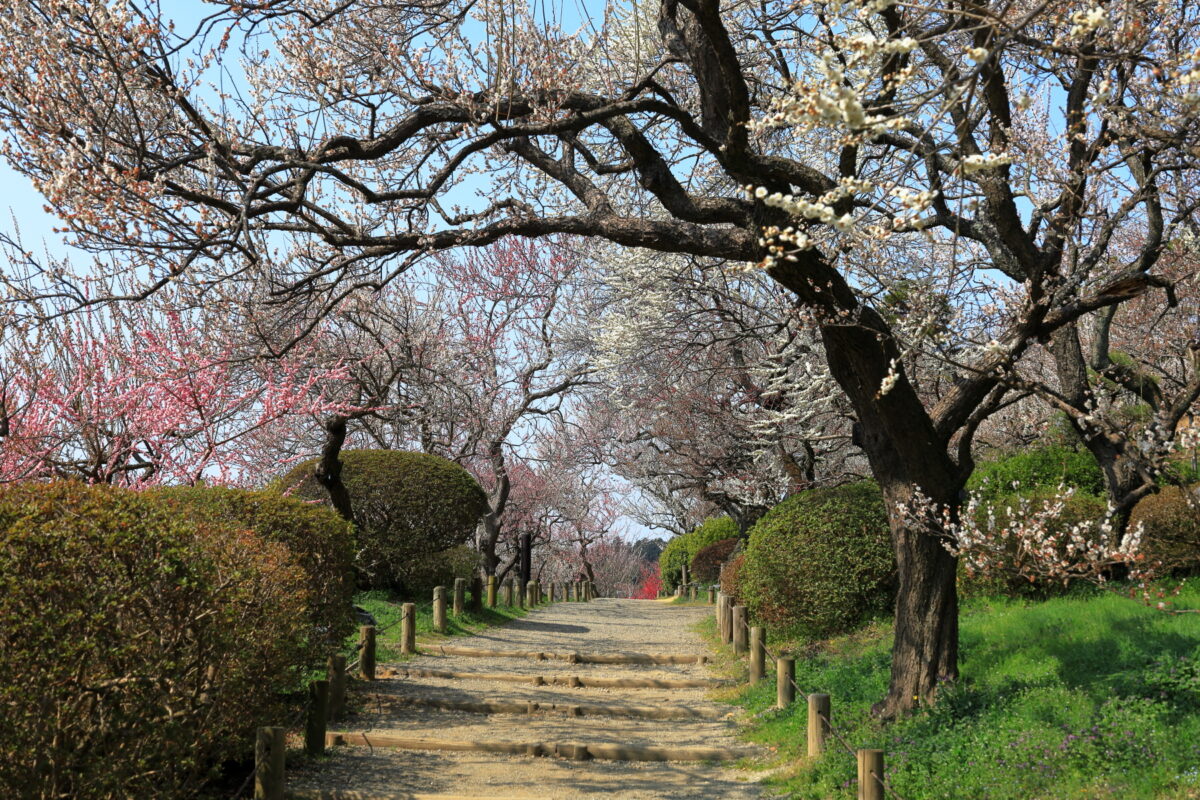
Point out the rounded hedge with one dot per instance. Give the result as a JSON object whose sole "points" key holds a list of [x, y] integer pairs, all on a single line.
{"points": [[1040, 467], [706, 564], [407, 506], [683, 548], [139, 648], [321, 541], [1170, 528], [820, 562]]}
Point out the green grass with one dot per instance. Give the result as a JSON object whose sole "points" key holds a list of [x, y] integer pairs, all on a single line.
{"points": [[1086, 696], [386, 609]]}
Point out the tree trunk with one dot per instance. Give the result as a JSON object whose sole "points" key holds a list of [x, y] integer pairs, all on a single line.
{"points": [[328, 471], [1122, 480], [908, 455], [925, 653]]}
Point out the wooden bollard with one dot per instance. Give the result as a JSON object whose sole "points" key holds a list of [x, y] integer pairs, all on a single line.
{"points": [[785, 689], [508, 593], [520, 594], [712, 595], [741, 636], [818, 723], [366, 655], [591, 591], [335, 673], [870, 775], [270, 746], [491, 591], [460, 592], [721, 616], [318, 713], [476, 602], [683, 575], [553, 592], [439, 609], [758, 654], [692, 592], [408, 628]]}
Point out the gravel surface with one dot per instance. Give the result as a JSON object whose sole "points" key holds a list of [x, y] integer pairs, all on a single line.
{"points": [[602, 625]]}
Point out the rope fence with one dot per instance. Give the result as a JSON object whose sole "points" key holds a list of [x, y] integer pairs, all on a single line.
{"points": [[741, 636]]}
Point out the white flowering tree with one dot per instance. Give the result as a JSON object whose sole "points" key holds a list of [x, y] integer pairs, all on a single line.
{"points": [[720, 398], [931, 181]]}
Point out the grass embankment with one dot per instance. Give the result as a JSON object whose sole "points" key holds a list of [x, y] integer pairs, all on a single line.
{"points": [[386, 610], [1087, 696]]}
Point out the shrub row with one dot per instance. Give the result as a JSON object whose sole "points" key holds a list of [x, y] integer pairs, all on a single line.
{"points": [[680, 551], [146, 636]]}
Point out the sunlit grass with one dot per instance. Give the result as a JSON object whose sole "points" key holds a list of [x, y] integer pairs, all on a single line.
{"points": [[1086, 696]]}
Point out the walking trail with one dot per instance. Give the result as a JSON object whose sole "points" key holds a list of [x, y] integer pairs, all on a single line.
{"points": [[571, 710]]}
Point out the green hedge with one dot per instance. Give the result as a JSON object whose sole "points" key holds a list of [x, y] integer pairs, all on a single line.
{"points": [[408, 507], [820, 562], [321, 541], [683, 548], [139, 648], [1040, 467]]}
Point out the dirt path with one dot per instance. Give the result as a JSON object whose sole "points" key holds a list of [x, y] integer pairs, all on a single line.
{"points": [[601, 626]]}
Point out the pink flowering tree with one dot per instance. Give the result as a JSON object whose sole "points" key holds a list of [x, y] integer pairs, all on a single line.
{"points": [[134, 397]]}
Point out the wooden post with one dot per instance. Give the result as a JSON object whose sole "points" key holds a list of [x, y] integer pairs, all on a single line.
{"points": [[553, 592], [508, 593], [460, 591], [476, 602], [692, 592], [439, 609], [758, 654], [578, 588], [408, 628], [721, 616], [491, 591], [270, 746], [712, 595], [366, 655], [741, 637], [520, 594], [530, 597], [335, 673], [785, 690], [870, 775], [818, 723], [318, 713]]}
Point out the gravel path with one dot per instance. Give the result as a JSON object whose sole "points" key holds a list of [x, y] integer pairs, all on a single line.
{"points": [[602, 625]]}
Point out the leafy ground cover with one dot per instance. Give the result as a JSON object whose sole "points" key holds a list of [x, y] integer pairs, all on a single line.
{"points": [[1085, 696]]}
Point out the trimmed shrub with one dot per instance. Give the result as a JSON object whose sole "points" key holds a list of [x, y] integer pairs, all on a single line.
{"points": [[139, 648], [683, 548], [706, 564], [440, 569], [1171, 529], [1040, 467], [321, 541], [407, 506], [820, 563]]}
